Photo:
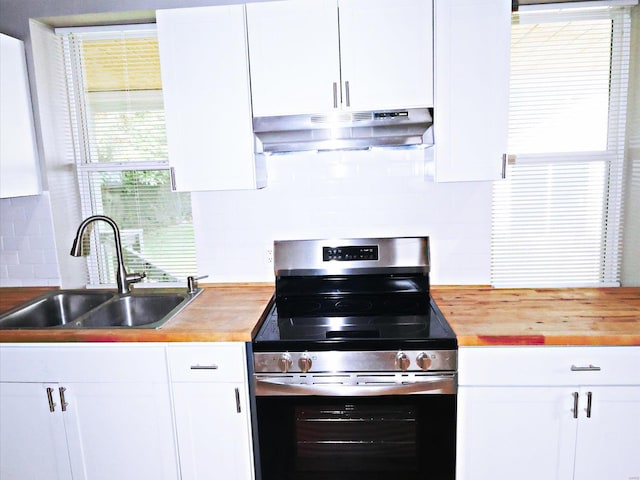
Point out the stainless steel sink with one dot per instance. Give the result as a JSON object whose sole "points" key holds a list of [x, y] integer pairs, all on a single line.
{"points": [[143, 308], [134, 310], [54, 309]]}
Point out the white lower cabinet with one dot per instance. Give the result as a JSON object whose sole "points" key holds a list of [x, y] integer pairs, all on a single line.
{"points": [[32, 439], [608, 443], [552, 413], [93, 411], [88, 412], [211, 403]]}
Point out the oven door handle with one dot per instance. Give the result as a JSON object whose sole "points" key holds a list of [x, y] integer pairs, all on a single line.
{"points": [[279, 386]]}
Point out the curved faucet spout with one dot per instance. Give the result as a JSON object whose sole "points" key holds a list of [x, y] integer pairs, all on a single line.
{"points": [[123, 279]]}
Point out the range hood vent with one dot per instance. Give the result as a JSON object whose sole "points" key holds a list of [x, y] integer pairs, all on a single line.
{"points": [[342, 130]]}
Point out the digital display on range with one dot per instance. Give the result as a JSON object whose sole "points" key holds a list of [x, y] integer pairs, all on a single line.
{"points": [[350, 253]]}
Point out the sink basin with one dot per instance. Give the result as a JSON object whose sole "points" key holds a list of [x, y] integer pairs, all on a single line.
{"points": [[54, 309], [80, 309], [141, 310]]}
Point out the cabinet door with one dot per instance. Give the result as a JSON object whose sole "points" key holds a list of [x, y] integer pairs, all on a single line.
{"points": [[205, 85], [472, 41], [608, 443], [33, 445], [294, 56], [386, 52], [505, 433], [19, 171], [120, 430], [212, 424]]}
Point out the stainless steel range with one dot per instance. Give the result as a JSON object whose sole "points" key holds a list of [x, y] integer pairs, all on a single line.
{"points": [[354, 365]]}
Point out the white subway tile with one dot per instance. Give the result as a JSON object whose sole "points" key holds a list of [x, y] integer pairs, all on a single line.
{"points": [[20, 272]]}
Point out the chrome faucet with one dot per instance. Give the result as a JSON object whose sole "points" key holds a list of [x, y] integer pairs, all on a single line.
{"points": [[123, 279]]}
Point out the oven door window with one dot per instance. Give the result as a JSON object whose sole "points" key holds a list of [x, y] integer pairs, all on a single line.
{"points": [[354, 438]]}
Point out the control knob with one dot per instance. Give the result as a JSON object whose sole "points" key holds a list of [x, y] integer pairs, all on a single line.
{"points": [[423, 361], [402, 361], [305, 363], [284, 362]]}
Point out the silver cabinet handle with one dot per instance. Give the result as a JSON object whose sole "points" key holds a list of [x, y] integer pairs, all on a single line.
{"points": [[504, 166], [52, 405], [238, 408], [575, 404], [204, 367], [507, 160], [172, 176], [63, 402], [335, 95], [589, 396], [590, 368], [347, 93]]}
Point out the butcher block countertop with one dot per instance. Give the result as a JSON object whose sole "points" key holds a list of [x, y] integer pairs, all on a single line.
{"points": [[220, 313], [478, 315], [564, 316]]}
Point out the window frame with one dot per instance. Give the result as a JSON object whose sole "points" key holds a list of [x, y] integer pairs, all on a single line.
{"points": [[99, 273], [612, 158]]}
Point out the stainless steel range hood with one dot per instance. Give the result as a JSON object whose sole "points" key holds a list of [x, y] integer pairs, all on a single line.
{"points": [[342, 130]]}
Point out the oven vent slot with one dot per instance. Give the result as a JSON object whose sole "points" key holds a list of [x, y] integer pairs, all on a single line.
{"points": [[376, 379], [330, 379]]}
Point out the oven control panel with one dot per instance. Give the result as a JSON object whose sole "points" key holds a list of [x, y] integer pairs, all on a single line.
{"points": [[347, 361], [350, 253]]}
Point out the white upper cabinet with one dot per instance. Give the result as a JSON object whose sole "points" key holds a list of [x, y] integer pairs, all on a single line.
{"points": [[386, 49], [293, 53], [472, 44], [19, 170], [207, 99], [323, 55]]}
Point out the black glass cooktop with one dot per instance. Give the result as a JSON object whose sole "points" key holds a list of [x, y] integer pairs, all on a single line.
{"points": [[428, 329]]}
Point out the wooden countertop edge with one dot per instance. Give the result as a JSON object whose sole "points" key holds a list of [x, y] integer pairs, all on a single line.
{"points": [[458, 303], [619, 340]]}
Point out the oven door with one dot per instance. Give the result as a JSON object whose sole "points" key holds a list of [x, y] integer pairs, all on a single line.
{"points": [[319, 429]]}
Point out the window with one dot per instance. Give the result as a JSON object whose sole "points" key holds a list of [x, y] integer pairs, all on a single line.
{"points": [[117, 119], [556, 219]]}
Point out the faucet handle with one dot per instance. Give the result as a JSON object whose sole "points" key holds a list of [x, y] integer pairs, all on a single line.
{"points": [[192, 283], [135, 277]]}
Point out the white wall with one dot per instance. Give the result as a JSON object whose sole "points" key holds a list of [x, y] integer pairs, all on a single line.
{"points": [[27, 247], [309, 195], [305, 197], [345, 194], [342, 194]]}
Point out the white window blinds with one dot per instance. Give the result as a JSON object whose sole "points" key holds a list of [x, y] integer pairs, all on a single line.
{"points": [[556, 219], [115, 94]]}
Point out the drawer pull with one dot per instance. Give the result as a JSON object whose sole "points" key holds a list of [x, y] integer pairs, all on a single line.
{"points": [[204, 367], [63, 402], [238, 407], [590, 368], [52, 405]]}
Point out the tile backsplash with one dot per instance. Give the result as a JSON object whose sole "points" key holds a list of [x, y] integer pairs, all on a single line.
{"points": [[384, 192], [27, 245]]}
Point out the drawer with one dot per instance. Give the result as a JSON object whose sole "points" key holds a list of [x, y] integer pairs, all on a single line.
{"points": [[83, 362], [534, 366], [207, 362]]}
